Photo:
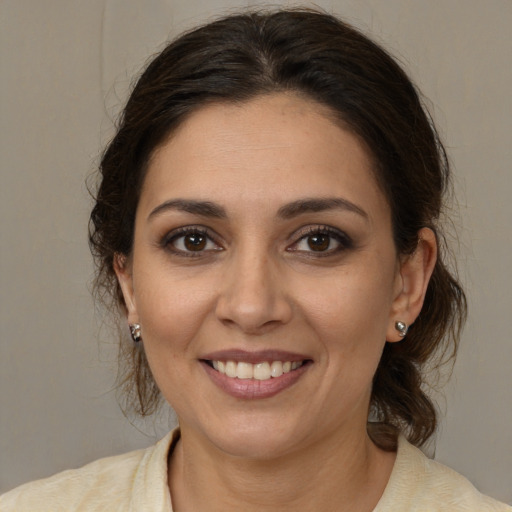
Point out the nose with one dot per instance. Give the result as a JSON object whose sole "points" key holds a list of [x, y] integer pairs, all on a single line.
{"points": [[252, 297]]}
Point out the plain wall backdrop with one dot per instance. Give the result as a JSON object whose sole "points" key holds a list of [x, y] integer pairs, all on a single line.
{"points": [[65, 68]]}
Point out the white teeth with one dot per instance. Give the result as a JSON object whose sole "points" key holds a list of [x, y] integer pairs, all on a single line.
{"points": [[262, 371], [276, 369], [259, 371], [244, 371], [230, 369]]}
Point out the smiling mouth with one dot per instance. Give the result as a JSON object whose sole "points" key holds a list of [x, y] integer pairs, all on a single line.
{"points": [[260, 371]]}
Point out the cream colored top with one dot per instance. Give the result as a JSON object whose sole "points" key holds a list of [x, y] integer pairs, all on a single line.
{"points": [[137, 481]]}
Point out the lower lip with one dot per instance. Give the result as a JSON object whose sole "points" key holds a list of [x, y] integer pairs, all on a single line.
{"points": [[250, 389]]}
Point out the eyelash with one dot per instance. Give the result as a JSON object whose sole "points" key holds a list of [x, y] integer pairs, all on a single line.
{"points": [[171, 238], [343, 241]]}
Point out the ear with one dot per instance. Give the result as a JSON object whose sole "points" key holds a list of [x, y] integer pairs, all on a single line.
{"points": [[412, 281], [123, 270]]}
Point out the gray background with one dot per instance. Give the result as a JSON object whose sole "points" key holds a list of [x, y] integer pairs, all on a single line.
{"points": [[65, 69]]}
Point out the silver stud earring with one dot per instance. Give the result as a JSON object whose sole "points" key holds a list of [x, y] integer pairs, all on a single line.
{"points": [[402, 328], [135, 332]]}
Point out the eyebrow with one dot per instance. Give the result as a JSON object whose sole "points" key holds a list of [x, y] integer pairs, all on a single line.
{"points": [[313, 205], [288, 211], [203, 208]]}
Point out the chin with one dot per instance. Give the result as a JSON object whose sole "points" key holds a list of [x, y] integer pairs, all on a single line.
{"points": [[256, 445], [255, 438]]}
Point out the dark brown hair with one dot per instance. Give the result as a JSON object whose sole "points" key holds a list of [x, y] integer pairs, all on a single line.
{"points": [[322, 58]]}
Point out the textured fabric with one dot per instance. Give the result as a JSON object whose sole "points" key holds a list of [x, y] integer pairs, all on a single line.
{"points": [[418, 484], [137, 481]]}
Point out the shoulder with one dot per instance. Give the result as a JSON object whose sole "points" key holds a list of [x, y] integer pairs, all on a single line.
{"points": [[71, 489], [418, 483], [110, 484], [91, 487]]}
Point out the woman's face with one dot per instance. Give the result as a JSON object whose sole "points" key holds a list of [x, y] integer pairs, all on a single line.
{"points": [[264, 276]]}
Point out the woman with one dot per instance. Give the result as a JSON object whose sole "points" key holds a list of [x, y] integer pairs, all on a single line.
{"points": [[267, 220]]}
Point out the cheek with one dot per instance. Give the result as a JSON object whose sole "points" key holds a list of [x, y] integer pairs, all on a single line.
{"points": [[349, 315], [353, 304], [171, 309], [172, 312]]}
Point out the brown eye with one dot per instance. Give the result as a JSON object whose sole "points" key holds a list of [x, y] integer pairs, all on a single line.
{"points": [[319, 242], [190, 241], [195, 242], [322, 240]]}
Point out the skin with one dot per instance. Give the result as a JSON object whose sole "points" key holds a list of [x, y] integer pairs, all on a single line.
{"points": [[255, 284]]}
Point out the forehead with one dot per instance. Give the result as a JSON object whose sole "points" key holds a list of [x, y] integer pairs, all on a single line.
{"points": [[270, 149]]}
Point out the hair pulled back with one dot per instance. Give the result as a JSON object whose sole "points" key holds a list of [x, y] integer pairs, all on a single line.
{"points": [[322, 58]]}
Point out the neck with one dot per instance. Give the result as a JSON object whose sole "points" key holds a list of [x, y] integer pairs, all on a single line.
{"points": [[343, 473]]}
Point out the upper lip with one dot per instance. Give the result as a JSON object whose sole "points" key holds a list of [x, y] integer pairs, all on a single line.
{"points": [[259, 356]]}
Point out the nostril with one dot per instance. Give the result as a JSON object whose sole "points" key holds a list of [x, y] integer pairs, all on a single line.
{"points": [[251, 299], [253, 328]]}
